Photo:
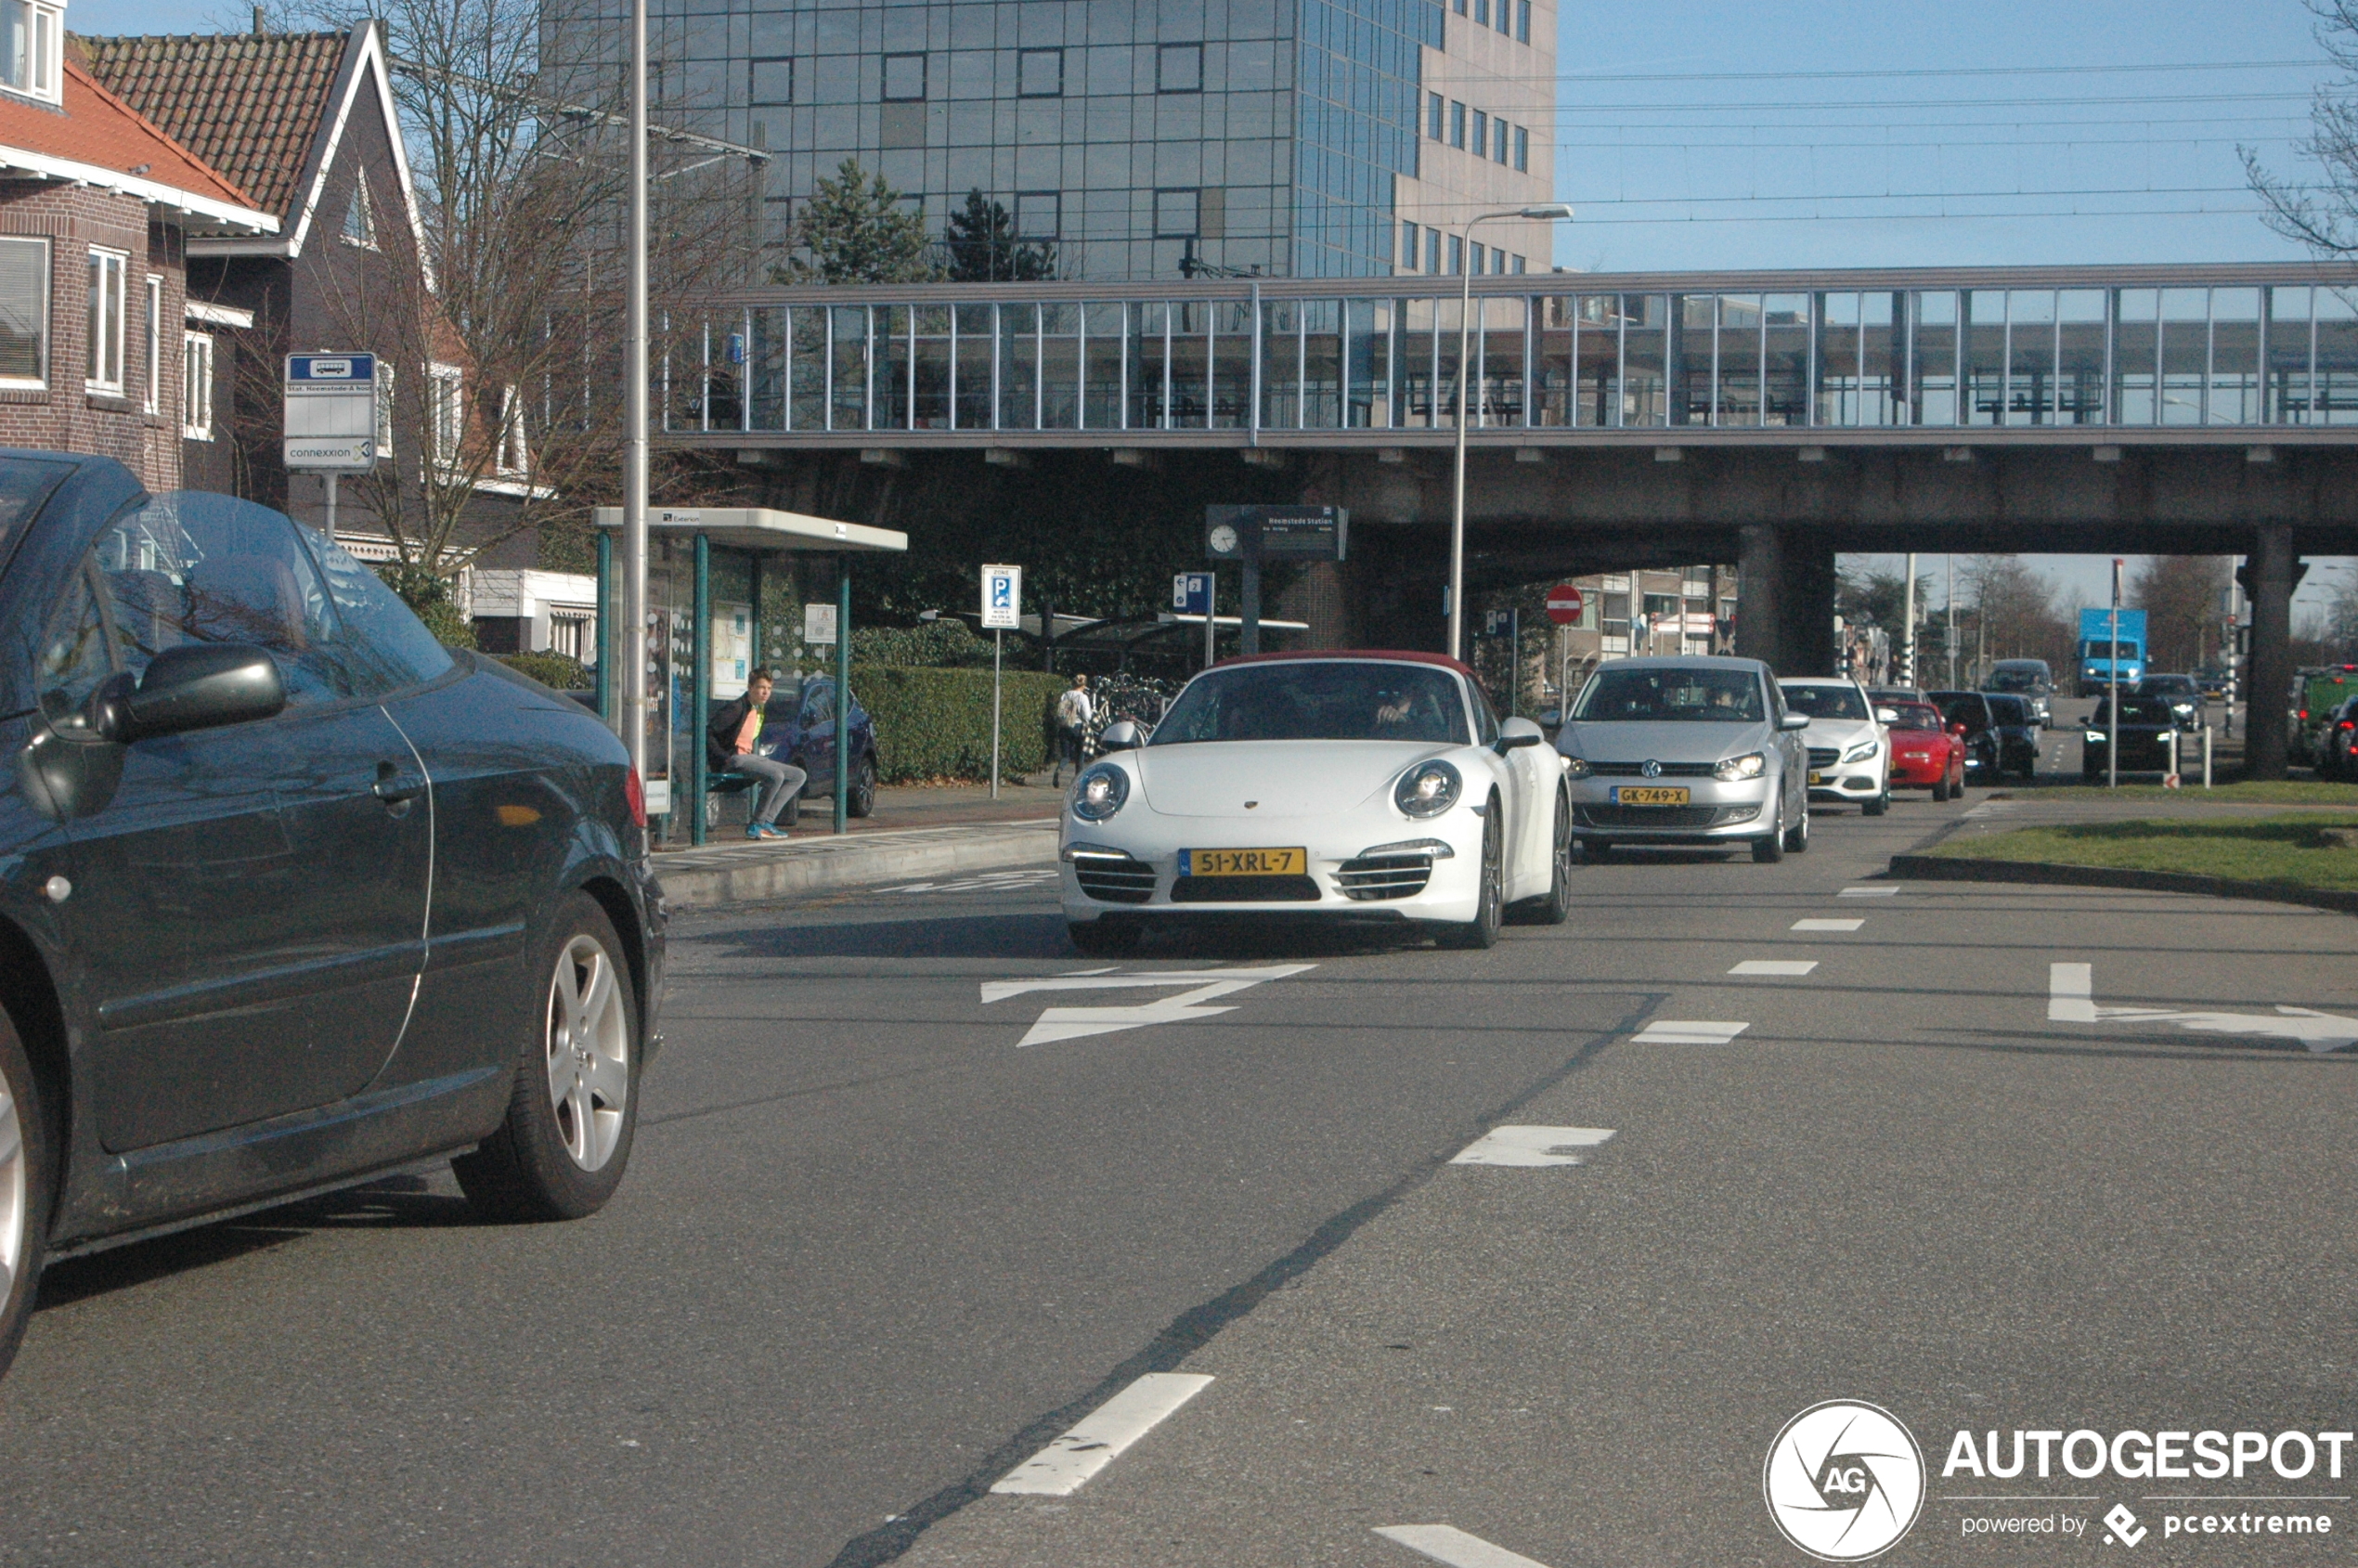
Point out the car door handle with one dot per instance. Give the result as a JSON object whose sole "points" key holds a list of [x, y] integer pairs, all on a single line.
{"points": [[398, 789]]}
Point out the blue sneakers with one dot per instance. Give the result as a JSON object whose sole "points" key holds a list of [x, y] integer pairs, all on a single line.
{"points": [[766, 830]]}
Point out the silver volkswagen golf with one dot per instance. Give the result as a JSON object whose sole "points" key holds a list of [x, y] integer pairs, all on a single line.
{"points": [[1687, 751]]}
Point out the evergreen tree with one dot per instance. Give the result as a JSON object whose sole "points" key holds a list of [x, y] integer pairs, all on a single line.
{"points": [[983, 248], [852, 231]]}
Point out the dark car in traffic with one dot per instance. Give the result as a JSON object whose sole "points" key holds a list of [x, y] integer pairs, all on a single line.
{"points": [[2017, 731], [2028, 678], [2337, 747], [292, 895], [1971, 710], [2181, 691], [2147, 726]]}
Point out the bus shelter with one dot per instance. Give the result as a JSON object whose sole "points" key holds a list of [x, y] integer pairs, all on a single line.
{"points": [[729, 589]]}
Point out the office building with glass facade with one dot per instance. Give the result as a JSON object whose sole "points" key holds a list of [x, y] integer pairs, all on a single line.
{"points": [[1287, 137]]}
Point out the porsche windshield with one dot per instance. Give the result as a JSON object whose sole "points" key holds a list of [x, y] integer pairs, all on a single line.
{"points": [[1659, 694], [1324, 700]]}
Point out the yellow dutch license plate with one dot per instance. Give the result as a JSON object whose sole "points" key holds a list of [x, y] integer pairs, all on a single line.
{"points": [[1244, 862], [1647, 794]]}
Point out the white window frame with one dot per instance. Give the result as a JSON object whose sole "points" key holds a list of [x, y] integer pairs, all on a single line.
{"points": [[446, 415], [367, 208], [384, 410], [29, 63], [515, 451], [196, 386], [39, 380], [110, 275], [153, 401]]}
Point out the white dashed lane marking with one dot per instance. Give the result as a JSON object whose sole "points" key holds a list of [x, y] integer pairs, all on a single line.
{"points": [[1868, 893], [1531, 1145], [1447, 1543], [1783, 966], [1099, 1437], [1688, 1031], [1827, 925]]}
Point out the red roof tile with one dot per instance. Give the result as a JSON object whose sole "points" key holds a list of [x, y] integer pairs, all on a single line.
{"points": [[249, 104], [101, 130]]}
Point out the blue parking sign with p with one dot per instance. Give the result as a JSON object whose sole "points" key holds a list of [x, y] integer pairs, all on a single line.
{"points": [[1002, 598]]}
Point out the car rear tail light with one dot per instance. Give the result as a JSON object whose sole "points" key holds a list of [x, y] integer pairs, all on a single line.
{"points": [[634, 794]]}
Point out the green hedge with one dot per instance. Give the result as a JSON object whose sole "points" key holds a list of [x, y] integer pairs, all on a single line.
{"points": [[561, 671], [935, 723]]}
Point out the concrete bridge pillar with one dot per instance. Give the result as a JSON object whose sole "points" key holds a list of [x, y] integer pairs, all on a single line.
{"points": [[1760, 568], [1808, 603], [1786, 602], [2271, 582]]}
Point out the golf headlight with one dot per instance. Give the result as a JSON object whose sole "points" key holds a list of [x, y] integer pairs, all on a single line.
{"points": [[1099, 793], [1577, 768], [1428, 790], [1862, 751], [2096, 737], [1739, 768]]}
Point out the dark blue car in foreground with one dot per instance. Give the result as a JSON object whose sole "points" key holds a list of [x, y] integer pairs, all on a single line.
{"points": [[290, 895]]}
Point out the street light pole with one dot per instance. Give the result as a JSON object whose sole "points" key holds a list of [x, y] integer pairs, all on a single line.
{"points": [[633, 642], [1553, 211]]}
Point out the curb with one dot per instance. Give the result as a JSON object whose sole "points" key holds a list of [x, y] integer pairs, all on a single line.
{"points": [[734, 876], [1949, 868]]}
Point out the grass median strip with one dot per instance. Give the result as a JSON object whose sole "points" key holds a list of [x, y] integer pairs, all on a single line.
{"points": [[2302, 850]]}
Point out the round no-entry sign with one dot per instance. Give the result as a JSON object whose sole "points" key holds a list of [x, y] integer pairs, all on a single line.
{"points": [[1563, 605]]}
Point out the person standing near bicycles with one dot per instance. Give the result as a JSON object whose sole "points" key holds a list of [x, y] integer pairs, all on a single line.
{"points": [[1073, 713]]}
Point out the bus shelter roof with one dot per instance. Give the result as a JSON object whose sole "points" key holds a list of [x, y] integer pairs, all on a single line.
{"points": [[762, 528]]}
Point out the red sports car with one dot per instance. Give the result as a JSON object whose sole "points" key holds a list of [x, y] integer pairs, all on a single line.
{"points": [[1925, 753]]}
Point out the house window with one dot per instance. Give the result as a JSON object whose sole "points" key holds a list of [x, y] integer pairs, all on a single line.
{"points": [[904, 78], [1179, 68], [196, 386], [1482, 12], [1457, 124], [384, 410], [1522, 150], [1175, 215], [24, 312], [773, 82], [154, 394], [360, 219], [1432, 250], [1040, 74], [1481, 134], [1436, 116], [107, 272], [1408, 247], [1473, 258], [1523, 22], [1039, 214], [445, 413], [1456, 255], [515, 452], [30, 36]]}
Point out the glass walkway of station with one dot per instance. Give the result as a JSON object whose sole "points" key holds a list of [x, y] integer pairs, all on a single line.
{"points": [[2178, 353]]}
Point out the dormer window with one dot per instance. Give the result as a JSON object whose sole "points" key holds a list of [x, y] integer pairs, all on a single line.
{"points": [[32, 35], [360, 218]]}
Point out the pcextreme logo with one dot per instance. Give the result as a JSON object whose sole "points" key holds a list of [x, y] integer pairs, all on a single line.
{"points": [[1844, 1481]]}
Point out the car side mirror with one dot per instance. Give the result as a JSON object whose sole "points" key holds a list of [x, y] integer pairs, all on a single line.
{"points": [[199, 686], [1795, 721], [1956, 729], [1121, 735], [1886, 716], [1514, 732]]}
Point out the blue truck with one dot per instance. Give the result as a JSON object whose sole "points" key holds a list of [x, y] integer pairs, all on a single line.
{"points": [[2098, 656]]}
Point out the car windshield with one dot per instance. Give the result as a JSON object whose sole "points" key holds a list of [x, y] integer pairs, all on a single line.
{"points": [[2005, 680], [2168, 686], [2008, 710], [1915, 716], [1660, 693], [25, 483], [2135, 710], [1826, 701], [1318, 700]]}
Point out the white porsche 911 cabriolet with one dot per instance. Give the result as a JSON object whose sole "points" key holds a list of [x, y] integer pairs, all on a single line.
{"points": [[1316, 787]]}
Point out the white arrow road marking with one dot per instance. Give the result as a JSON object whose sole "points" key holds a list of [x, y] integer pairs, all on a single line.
{"points": [[1687, 1031], [1447, 1543], [1072, 1023], [1789, 966], [1531, 1145], [1098, 1438], [1827, 925], [2071, 1000]]}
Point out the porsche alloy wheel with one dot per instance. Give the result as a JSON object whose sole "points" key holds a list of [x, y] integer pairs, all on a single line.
{"points": [[1482, 929]]}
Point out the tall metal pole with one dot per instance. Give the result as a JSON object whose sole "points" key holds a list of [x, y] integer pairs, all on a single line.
{"points": [[1907, 647], [1949, 642], [634, 393], [2112, 689], [843, 690], [998, 650]]}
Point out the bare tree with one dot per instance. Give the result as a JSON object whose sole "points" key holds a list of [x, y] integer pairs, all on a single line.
{"points": [[2181, 596], [2015, 610], [2324, 214]]}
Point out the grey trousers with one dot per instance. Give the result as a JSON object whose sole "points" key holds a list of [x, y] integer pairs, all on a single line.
{"points": [[779, 787]]}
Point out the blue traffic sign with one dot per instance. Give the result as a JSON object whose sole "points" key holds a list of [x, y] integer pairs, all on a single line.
{"points": [[1191, 593]]}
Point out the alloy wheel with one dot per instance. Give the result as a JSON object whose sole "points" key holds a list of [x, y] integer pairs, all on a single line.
{"points": [[588, 1052], [14, 1186]]}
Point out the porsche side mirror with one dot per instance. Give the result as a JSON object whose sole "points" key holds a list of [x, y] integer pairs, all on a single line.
{"points": [[1514, 732], [1121, 735]]}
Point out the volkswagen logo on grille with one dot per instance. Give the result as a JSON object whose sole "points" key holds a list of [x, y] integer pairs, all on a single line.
{"points": [[1652, 769]]}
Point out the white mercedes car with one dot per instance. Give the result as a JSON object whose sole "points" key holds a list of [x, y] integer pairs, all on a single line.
{"points": [[1849, 748], [1369, 787]]}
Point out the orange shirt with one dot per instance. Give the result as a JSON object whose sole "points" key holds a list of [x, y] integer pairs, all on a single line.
{"points": [[748, 732]]}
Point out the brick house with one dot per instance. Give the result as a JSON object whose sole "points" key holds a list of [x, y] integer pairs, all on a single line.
{"points": [[99, 208]]}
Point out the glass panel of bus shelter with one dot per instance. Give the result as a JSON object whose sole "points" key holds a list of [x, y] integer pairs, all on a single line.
{"points": [[1739, 400], [2030, 356], [1645, 344], [1691, 370], [1785, 359], [1231, 364], [1882, 359], [807, 372], [676, 361], [2234, 358], [2185, 354], [1448, 322], [1597, 360], [1191, 365], [1413, 380], [1366, 349], [1059, 367], [1102, 352], [970, 370], [1984, 335], [1500, 326], [1932, 358], [1838, 359], [1321, 364], [1551, 349], [1281, 364], [890, 334], [2079, 357], [2137, 356], [1018, 366], [929, 351], [2287, 389], [766, 364], [1150, 365], [847, 368], [2335, 394]]}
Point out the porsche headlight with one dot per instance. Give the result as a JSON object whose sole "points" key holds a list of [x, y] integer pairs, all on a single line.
{"points": [[1737, 768], [1862, 751], [1577, 768], [1428, 790], [1099, 793]]}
